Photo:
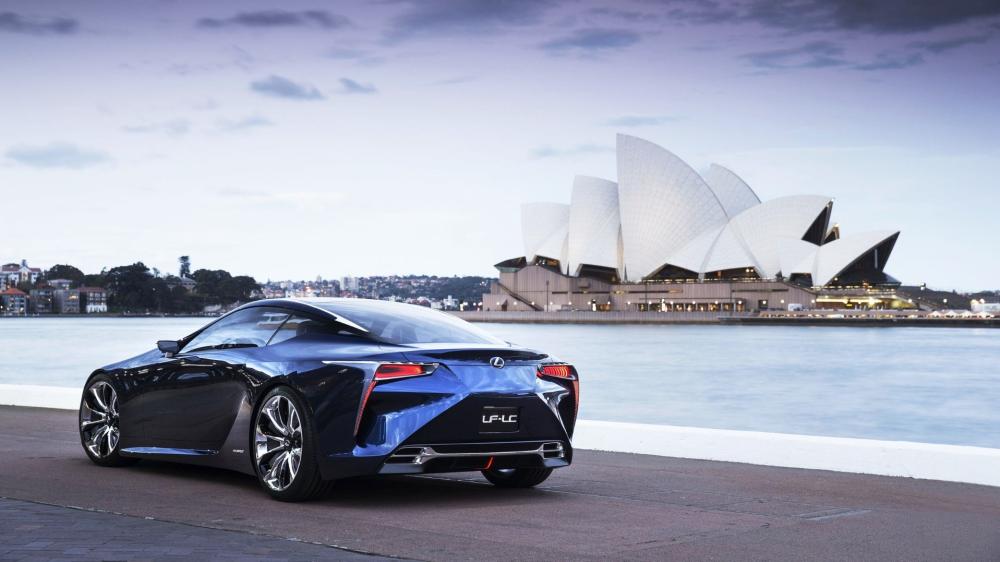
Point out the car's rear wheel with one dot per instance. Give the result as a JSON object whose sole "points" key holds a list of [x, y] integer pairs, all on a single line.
{"points": [[100, 431], [284, 445], [517, 477]]}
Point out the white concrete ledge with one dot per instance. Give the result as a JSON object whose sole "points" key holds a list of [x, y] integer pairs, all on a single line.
{"points": [[35, 396], [976, 465]]}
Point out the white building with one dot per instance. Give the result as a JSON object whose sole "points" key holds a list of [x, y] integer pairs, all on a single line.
{"points": [[981, 306], [349, 284], [663, 221], [12, 274]]}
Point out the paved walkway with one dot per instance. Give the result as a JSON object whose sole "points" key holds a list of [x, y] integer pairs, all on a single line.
{"points": [[606, 506], [32, 531]]}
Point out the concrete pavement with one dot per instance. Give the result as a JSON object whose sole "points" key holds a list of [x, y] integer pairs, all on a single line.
{"points": [[607, 505]]}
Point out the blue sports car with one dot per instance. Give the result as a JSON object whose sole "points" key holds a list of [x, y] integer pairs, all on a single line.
{"points": [[302, 392]]}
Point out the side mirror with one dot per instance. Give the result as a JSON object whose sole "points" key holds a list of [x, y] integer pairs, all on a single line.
{"points": [[168, 347]]}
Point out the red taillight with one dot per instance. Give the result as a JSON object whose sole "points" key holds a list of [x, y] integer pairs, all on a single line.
{"points": [[392, 371], [557, 371], [566, 373]]}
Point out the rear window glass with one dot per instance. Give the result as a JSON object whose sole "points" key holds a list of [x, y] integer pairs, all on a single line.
{"points": [[406, 323]]}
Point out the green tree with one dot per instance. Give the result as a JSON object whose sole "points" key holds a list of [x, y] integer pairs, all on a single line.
{"points": [[64, 271], [241, 288], [185, 262], [131, 289], [96, 279]]}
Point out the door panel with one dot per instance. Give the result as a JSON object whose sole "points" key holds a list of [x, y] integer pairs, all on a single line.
{"points": [[193, 400]]}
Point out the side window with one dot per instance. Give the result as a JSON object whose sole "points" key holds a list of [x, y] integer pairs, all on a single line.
{"points": [[251, 327], [299, 326]]}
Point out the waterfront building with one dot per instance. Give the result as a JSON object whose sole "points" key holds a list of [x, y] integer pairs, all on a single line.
{"points": [[13, 274], [42, 300], [982, 306], [93, 300], [67, 301], [666, 238], [60, 283], [13, 302]]}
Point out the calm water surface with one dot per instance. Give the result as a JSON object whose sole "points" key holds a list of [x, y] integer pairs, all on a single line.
{"points": [[937, 385]]}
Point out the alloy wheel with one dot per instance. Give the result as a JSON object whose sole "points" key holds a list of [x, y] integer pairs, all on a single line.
{"points": [[278, 442], [99, 419]]}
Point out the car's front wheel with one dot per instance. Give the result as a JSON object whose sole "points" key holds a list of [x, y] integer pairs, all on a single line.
{"points": [[517, 477], [100, 431], [284, 445]]}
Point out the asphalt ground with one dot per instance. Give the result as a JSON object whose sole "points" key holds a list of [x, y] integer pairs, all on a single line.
{"points": [[58, 505]]}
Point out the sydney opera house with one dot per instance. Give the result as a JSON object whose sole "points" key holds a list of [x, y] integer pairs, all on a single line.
{"points": [[664, 237]]}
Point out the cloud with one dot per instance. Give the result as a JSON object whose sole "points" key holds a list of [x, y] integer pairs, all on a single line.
{"points": [[443, 17], [173, 128], [454, 80], [57, 155], [244, 124], [631, 16], [817, 54], [800, 16], [640, 120], [16, 23], [591, 41], [365, 58], [281, 87], [885, 61], [278, 18], [578, 150], [941, 46], [352, 87]]}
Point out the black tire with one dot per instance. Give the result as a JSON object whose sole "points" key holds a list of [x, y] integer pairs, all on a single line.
{"points": [[106, 451], [517, 477], [307, 483]]}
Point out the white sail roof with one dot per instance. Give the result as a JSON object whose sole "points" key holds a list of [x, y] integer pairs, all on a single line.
{"points": [[594, 224], [661, 212], [762, 228], [544, 227], [664, 205], [734, 193], [833, 258]]}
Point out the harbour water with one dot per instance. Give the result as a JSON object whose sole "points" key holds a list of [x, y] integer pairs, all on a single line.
{"points": [[935, 385]]}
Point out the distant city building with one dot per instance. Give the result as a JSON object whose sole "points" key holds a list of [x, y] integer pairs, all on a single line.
{"points": [[60, 283], [349, 284], [666, 238], [42, 300], [93, 300], [988, 307], [67, 301], [13, 274], [13, 302]]}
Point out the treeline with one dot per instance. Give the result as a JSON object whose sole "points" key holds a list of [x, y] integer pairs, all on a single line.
{"points": [[136, 288]]}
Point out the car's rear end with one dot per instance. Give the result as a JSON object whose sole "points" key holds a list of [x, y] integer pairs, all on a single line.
{"points": [[444, 396], [505, 409]]}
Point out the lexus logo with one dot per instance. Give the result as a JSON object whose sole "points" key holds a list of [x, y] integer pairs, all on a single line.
{"points": [[497, 362]]}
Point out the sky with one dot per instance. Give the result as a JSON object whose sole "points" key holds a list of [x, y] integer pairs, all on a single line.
{"points": [[289, 140]]}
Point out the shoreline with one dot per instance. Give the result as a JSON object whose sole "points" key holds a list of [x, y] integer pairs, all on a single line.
{"points": [[637, 318], [710, 319]]}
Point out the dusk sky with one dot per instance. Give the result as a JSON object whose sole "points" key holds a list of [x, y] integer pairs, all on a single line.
{"points": [[295, 139]]}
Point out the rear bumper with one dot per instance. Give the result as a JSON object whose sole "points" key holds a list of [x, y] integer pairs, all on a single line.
{"points": [[457, 457]]}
